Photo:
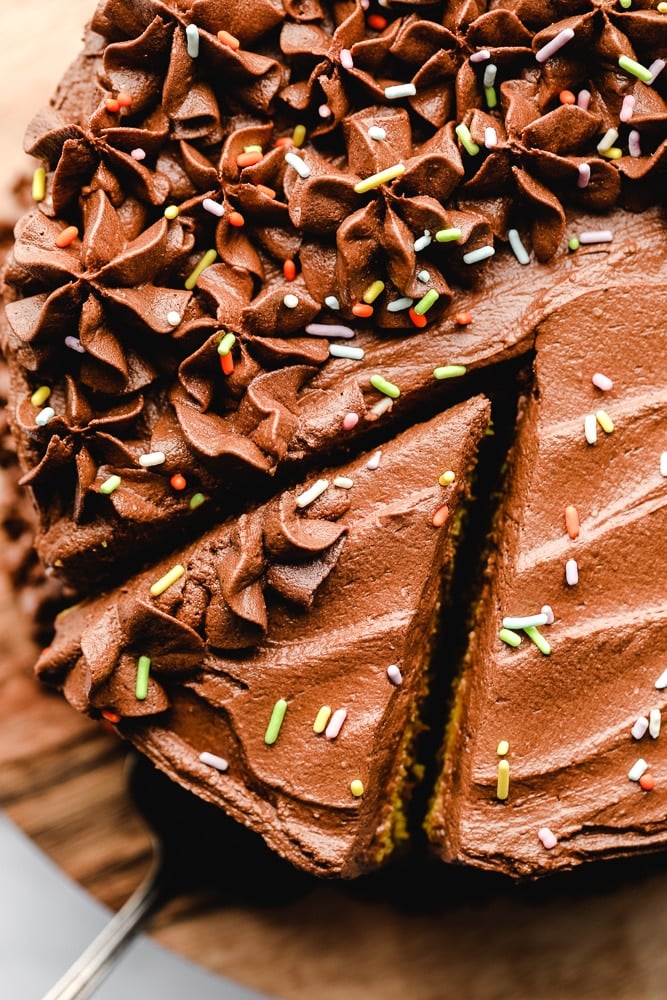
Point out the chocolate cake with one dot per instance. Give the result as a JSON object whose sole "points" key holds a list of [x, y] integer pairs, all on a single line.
{"points": [[269, 238]]}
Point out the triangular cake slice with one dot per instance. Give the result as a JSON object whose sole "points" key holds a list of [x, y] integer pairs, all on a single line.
{"points": [[292, 644], [583, 531]]}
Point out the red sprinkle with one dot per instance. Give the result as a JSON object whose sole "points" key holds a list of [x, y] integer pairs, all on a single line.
{"points": [[67, 237], [286, 140], [647, 781], [124, 99], [227, 363], [376, 21], [248, 159], [572, 521], [362, 310], [112, 105], [269, 192], [178, 481], [419, 321], [463, 318], [227, 39], [236, 219], [289, 270], [440, 516], [567, 97], [110, 716]]}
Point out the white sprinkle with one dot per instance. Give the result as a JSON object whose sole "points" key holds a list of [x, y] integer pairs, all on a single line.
{"points": [[607, 140], [661, 682], [192, 35], [601, 381], [475, 256], [489, 77], [571, 573], [423, 241], [548, 612], [219, 763], [324, 111], [290, 300], [634, 143], [315, 491], [343, 351], [639, 728], [302, 169], [526, 621], [400, 90], [547, 837], [332, 302], [637, 769], [329, 330], [394, 675], [343, 483], [655, 69], [152, 458], [596, 236], [627, 108], [424, 276], [561, 39], [374, 461], [654, 720], [214, 207], [138, 154], [584, 175], [382, 406], [75, 344], [590, 428], [490, 137], [663, 464], [43, 417], [335, 723], [346, 60], [584, 99], [398, 305], [377, 133], [517, 246], [481, 56], [173, 318]]}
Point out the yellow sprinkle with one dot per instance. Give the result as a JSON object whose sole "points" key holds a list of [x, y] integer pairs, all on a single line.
{"points": [[321, 719], [252, 149], [40, 396], [604, 420], [662, 8], [503, 748], [209, 258], [299, 135], [447, 478], [39, 184], [383, 177], [174, 574], [357, 787], [171, 212], [373, 291], [503, 788], [613, 153]]}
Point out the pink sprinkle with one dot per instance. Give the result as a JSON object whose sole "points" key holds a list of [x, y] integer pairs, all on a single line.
{"points": [[640, 728], [365, 4], [346, 59], [335, 723], [561, 39], [634, 143], [656, 68], [374, 462], [329, 330], [627, 108], [583, 99], [138, 154], [584, 175], [324, 111], [601, 381], [547, 837], [596, 236], [350, 420], [480, 56]]}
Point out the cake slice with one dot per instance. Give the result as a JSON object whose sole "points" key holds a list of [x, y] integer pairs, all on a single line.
{"points": [[292, 644], [583, 530]]}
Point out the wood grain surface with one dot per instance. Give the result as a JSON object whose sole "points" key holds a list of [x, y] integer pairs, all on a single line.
{"points": [[419, 934]]}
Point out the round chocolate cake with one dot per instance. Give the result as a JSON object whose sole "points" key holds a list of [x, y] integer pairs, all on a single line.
{"points": [[337, 376]]}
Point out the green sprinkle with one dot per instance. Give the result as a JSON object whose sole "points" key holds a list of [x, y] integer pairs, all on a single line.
{"points": [[625, 4], [143, 669], [275, 722], [426, 302], [382, 385], [171, 212], [491, 97], [449, 371], [209, 258], [539, 640], [39, 184], [110, 484], [448, 235], [511, 638], [196, 500], [573, 243], [226, 344], [40, 396], [636, 69], [174, 574], [463, 132]]}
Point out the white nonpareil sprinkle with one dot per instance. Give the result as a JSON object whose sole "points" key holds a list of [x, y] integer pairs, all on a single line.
{"points": [[571, 572], [343, 351], [655, 69], [596, 236], [152, 458], [525, 621], [346, 60], [590, 428], [654, 720], [335, 723], [290, 300], [374, 461], [490, 137], [518, 249], [343, 483], [424, 276], [394, 675], [481, 56], [398, 305], [138, 154], [638, 768], [315, 491], [584, 171], [547, 610], [302, 169], [400, 90], [382, 406], [489, 77], [332, 302], [547, 837], [377, 133], [607, 140], [475, 256], [663, 464], [219, 763], [75, 344], [602, 382], [43, 417], [213, 207], [329, 330], [661, 682], [423, 241], [173, 318], [640, 727]]}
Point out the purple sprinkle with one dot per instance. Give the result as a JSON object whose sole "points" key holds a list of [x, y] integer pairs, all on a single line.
{"points": [[480, 56], [346, 60], [335, 723], [547, 837], [584, 175], [634, 143], [583, 99], [75, 344], [561, 39], [627, 108], [214, 207], [329, 330], [596, 236], [350, 421], [324, 111], [656, 68], [374, 462], [640, 728], [601, 381]]}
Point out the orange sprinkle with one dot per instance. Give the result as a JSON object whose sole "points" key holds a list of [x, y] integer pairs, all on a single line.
{"points": [[178, 481], [110, 716], [572, 521], [289, 270], [376, 21], [463, 318], [227, 363], [440, 516], [236, 219], [227, 39], [286, 140], [362, 310], [67, 237], [647, 781], [269, 192], [418, 320], [124, 99], [249, 159], [111, 104], [567, 97]]}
